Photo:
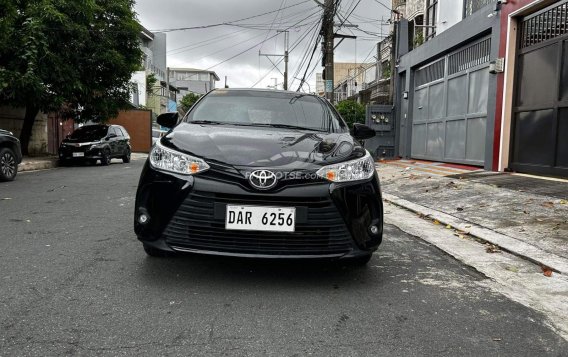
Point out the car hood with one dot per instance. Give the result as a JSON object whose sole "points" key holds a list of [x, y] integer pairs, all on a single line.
{"points": [[5, 132], [262, 146]]}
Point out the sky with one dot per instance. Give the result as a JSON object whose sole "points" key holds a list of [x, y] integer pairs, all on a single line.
{"points": [[233, 50]]}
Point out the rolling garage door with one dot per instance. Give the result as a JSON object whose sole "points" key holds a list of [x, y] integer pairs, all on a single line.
{"points": [[449, 115], [540, 116]]}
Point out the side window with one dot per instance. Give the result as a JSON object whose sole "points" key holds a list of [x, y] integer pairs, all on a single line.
{"points": [[112, 130], [119, 131], [124, 132]]}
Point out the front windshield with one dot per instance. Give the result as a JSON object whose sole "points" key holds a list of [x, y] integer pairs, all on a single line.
{"points": [[89, 133], [266, 109]]}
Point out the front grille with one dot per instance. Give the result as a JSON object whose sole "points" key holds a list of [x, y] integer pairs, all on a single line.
{"points": [[319, 231]]}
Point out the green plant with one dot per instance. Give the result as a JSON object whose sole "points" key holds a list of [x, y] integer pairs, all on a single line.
{"points": [[188, 100], [151, 81], [75, 57], [418, 39], [351, 111]]}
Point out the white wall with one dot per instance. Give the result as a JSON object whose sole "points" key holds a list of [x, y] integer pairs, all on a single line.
{"points": [[450, 12], [139, 78]]}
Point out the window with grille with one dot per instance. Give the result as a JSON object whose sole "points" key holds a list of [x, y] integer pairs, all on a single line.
{"points": [[469, 57], [545, 25], [431, 11], [430, 73], [472, 6]]}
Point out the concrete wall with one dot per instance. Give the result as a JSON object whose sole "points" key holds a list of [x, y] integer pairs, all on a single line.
{"points": [[138, 123], [450, 12], [12, 119]]}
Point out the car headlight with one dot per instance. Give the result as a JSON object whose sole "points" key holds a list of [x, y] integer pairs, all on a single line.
{"points": [[354, 170], [170, 160]]}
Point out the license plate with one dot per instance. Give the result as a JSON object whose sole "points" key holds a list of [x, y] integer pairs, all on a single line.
{"points": [[260, 218], [78, 154]]}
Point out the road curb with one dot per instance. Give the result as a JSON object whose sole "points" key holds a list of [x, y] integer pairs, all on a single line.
{"points": [[510, 244], [32, 165]]}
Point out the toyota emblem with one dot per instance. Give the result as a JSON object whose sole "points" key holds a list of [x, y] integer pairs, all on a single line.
{"points": [[263, 179]]}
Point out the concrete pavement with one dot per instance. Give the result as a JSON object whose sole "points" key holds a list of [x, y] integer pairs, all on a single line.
{"points": [[527, 216], [75, 281]]}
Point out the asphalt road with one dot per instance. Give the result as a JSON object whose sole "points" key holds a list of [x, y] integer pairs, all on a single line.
{"points": [[74, 280]]}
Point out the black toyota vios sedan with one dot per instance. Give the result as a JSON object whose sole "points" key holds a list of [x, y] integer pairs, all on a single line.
{"points": [[260, 173]]}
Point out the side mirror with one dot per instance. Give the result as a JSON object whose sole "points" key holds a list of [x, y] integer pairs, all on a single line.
{"points": [[169, 120], [362, 132]]}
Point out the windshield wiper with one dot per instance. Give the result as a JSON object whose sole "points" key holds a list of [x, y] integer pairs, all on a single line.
{"points": [[206, 122], [288, 126]]}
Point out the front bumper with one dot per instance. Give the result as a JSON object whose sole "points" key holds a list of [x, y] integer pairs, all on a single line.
{"points": [[89, 152], [187, 214]]}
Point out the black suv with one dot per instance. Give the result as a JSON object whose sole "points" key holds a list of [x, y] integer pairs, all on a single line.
{"points": [[10, 155], [96, 142]]}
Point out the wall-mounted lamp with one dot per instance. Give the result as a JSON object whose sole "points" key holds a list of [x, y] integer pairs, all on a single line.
{"points": [[498, 6], [405, 95]]}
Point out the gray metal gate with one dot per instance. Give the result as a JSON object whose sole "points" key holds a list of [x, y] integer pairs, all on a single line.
{"points": [[449, 114], [540, 115]]}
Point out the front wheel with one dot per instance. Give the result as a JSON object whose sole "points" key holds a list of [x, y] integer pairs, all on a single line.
{"points": [[105, 157], [8, 165], [126, 157]]}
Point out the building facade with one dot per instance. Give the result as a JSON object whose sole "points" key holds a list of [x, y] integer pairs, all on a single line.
{"points": [[445, 92], [531, 113], [150, 88], [487, 87], [192, 80]]}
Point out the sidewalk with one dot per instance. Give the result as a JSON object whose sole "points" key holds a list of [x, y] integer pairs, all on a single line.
{"points": [[525, 215], [50, 162]]}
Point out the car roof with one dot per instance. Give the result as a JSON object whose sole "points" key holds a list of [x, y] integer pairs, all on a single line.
{"points": [[283, 93]]}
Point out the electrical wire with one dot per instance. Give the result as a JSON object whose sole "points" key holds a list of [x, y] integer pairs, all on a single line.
{"points": [[229, 22]]}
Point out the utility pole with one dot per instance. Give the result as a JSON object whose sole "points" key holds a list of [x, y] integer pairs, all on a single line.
{"points": [[328, 34], [285, 58], [285, 55]]}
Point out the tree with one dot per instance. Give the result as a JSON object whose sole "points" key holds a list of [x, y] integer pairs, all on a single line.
{"points": [[73, 56], [351, 111], [188, 101]]}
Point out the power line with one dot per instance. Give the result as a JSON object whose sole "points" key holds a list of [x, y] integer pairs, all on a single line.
{"points": [[229, 22], [256, 45]]}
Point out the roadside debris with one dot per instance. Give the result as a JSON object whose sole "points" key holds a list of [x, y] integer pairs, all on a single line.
{"points": [[546, 271], [492, 248]]}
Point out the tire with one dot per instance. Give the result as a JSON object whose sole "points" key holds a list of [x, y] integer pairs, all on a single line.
{"points": [[156, 253], [8, 165], [361, 261], [126, 157], [105, 157]]}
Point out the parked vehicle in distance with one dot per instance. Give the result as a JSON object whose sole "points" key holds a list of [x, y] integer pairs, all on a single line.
{"points": [[96, 142], [260, 173], [10, 155], [157, 134]]}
